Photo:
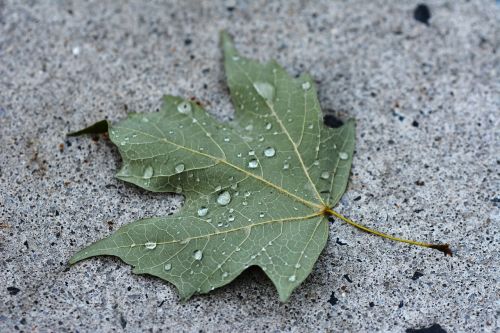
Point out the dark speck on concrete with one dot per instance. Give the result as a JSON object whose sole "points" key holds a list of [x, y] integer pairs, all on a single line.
{"points": [[13, 290], [123, 322], [422, 14], [414, 123], [187, 41], [348, 279], [332, 121], [420, 183], [417, 275], [333, 300], [339, 242], [401, 304], [2, 112], [435, 328], [371, 304]]}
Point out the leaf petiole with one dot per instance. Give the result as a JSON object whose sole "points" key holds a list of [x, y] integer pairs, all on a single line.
{"points": [[445, 248]]}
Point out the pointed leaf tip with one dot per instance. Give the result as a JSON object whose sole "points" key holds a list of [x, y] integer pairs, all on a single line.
{"points": [[97, 128]]}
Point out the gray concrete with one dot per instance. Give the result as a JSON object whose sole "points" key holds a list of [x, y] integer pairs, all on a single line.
{"points": [[426, 100]]}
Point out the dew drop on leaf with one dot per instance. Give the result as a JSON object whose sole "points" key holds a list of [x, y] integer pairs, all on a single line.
{"points": [[148, 172], [184, 107], [269, 126], [203, 211], [292, 278], [224, 275], [286, 166], [269, 152], [150, 245], [297, 265], [251, 153], [197, 255], [343, 155], [265, 90], [230, 218], [253, 164], [325, 175], [306, 85], [179, 168], [168, 267], [224, 198]]}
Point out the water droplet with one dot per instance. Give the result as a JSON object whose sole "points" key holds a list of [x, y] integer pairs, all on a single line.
{"points": [[297, 265], [239, 155], [224, 198], [249, 127], [325, 175], [316, 162], [261, 138], [168, 267], [184, 107], [253, 164], [226, 139], [310, 126], [203, 211], [261, 215], [218, 188], [343, 155], [251, 153], [179, 168], [224, 275], [150, 245], [236, 58], [269, 152], [197, 255], [230, 218], [292, 278], [184, 241], [306, 85], [265, 90], [286, 166], [148, 172], [269, 126]]}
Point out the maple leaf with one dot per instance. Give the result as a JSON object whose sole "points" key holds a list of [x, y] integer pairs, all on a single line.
{"points": [[258, 190]]}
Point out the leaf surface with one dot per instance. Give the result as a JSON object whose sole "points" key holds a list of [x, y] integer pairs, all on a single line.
{"points": [[255, 189]]}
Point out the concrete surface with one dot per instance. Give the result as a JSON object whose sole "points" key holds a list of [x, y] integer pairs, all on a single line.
{"points": [[426, 100]]}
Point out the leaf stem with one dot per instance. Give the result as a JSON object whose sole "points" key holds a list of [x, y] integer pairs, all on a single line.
{"points": [[445, 248]]}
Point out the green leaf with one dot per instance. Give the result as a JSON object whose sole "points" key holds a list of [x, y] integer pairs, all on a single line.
{"points": [[256, 189]]}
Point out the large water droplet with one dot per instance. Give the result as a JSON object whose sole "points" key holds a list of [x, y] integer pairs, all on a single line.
{"points": [[168, 267], [184, 107], [150, 245], [269, 126], [253, 164], [197, 255], [148, 172], [224, 198], [306, 85], [269, 152], [179, 168], [292, 278], [343, 155], [265, 90], [203, 211], [325, 175]]}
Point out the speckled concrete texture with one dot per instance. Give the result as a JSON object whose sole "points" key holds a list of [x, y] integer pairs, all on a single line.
{"points": [[426, 98]]}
